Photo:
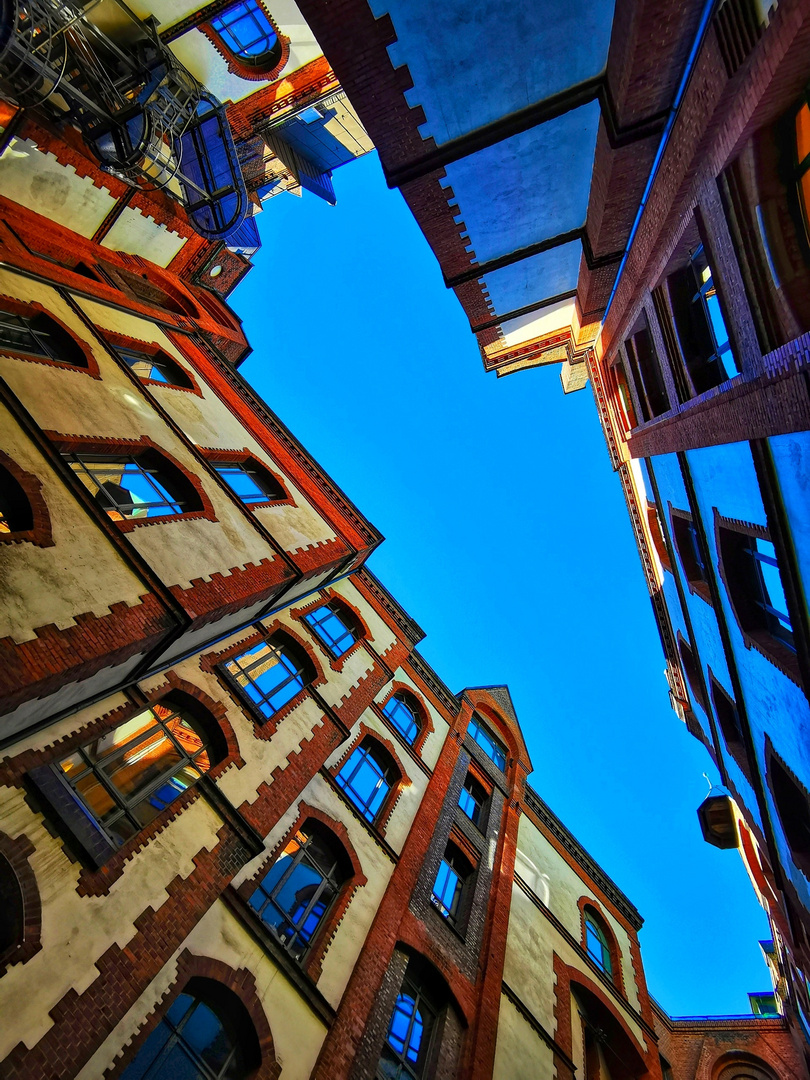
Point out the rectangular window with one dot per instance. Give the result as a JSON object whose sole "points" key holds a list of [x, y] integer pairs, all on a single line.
{"points": [[646, 372], [704, 346], [472, 799]]}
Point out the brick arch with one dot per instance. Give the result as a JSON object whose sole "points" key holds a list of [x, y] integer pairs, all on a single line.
{"points": [[423, 713], [175, 687], [40, 531], [16, 853], [244, 69], [360, 628], [423, 947], [313, 964], [241, 983], [365, 732], [246, 456], [607, 929], [32, 308], [725, 1066]]}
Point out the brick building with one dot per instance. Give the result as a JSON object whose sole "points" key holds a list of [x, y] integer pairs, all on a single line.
{"points": [[632, 201], [245, 830]]}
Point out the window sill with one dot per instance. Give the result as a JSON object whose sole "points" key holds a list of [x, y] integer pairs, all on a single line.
{"points": [[294, 973]]}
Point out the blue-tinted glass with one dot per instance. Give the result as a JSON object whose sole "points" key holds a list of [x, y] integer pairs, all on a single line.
{"points": [[179, 1007], [246, 30], [155, 1042], [364, 782], [204, 1033], [771, 579], [447, 889], [467, 802], [267, 675], [406, 1028], [331, 629], [242, 483], [487, 743], [597, 946], [402, 717]]}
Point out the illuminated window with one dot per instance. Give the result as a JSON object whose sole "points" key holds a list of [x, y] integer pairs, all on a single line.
{"points": [[297, 892], [335, 626], [403, 717], [135, 486], [250, 481], [131, 773], [270, 674], [803, 162], [367, 777], [247, 33], [487, 741], [596, 942]]}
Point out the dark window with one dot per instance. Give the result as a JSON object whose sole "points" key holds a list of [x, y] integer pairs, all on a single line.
{"points": [[157, 367], [687, 544], [205, 1034], [657, 532], [473, 799], [334, 626], [646, 373], [39, 335], [142, 486], [130, 774], [487, 741], [403, 716], [248, 34], [300, 887], [692, 672], [794, 813], [702, 334], [367, 777], [15, 510], [270, 674], [596, 942], [12, 921], [729, 720], [451, 882], [754, 582], [410, 1032], [250, 481]]}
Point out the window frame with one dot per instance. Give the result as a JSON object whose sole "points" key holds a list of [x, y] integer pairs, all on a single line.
{"points": [[483, 729], [283, 643], [454, 861], [795, 825], [591, 912], [266, 65], [348, 618], [686, 540], [258, 473], [24, 486], [363, 751], [411, 987], [157, 358], [82, 360], [400, 702], [482, 807]]}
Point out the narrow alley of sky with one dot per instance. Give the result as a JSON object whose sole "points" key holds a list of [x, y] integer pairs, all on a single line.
{"points": [[508, 541]]}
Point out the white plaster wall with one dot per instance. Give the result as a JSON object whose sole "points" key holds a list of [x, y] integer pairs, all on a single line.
{"points": [[559, 887], [546, 320], [520, 1054], [37, 181], [138, 234]]}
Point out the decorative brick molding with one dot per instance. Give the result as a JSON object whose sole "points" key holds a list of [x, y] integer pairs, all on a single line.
{"points": [[15, 853], [364, 733], [312, 963], [617, 973], [88, 364], [263, 727], [265, 70], [40, 531], [242, 985], [420, 709], [89, 444], [152, 348]]}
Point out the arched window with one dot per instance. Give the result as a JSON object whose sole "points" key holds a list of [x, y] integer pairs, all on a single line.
{"points": [[271, 673], [295, 895], [247, 33], [157, 366], [335, 625], [15, 511], [251, 481], [12, 910], [480, 733], [205, 1034], [367, 777], [409, 1049], [403, 713], [452, 885], [37, 334], [597, 943], [753, 578], [134, 486], [130, 774]]}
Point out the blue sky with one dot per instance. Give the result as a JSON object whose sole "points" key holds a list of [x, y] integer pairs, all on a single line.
{"points": [[508, 540]]}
